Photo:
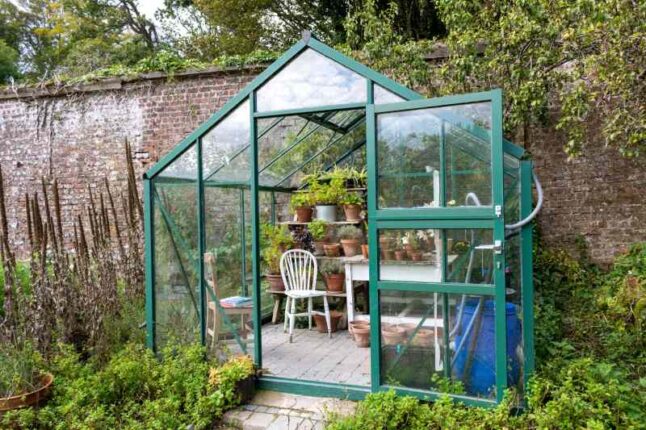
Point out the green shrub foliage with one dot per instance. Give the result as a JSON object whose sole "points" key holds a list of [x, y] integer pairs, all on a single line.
{"points": [[590, 353], [134, 390]]}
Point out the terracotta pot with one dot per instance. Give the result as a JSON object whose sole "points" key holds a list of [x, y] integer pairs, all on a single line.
{"points": [[393, 335], [400, 255], [387, 254], [417, 256], [364, 251], [424, 337], [28, 399], [334, 282], [275, 282], [352, 212], [303, 214], [357, 323], [332, 249], [361, 336], [335, 317], [350, 247], [409, 250], [385, 242], [319, 248]]}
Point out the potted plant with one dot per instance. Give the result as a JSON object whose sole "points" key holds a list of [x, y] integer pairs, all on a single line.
{"points": [[23, 382], [274, 241], [400, 255], [350, 240], [361, 334], [321, 326], [386, 243], [332, 249], [334, 275], [318, 230], [352, 203], [301, 203], [240, 371], [326, 197]]}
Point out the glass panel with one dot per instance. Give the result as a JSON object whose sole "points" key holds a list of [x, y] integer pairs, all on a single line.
{"points": [[515, 343], [470, 256], [311, 79], [410, 255], [225, 153], [176, 252], [511, 180], [411, 338], [227, 270], [382, 95], [409, 146]]}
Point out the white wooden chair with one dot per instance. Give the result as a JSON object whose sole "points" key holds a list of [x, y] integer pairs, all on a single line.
{"points": [[299, 271], [213, 312]]}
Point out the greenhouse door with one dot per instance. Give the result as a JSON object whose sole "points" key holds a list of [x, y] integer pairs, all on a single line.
{"points": [[436, 235]]}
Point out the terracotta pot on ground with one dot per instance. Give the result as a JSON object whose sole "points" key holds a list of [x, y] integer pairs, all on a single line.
{"points": [[332, 249], [352, 212], [303, 214], [319, 248], [350, 247], [357, 323], [387, 254], [335, 317], [361, 334], [334, 282], [424, 337], [275, 282], [400, 255], [393, 335], [28, 399], [364, 251]]}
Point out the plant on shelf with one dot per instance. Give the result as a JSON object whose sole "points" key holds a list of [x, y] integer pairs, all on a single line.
{"points": [[274, 241], [352, 204], [326, 197], [351, 177], [319, 231], [334, 274], [301, 204], [387, 240], [351, 238]]}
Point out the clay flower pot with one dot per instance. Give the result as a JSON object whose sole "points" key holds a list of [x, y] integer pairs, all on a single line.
{"points": [[334, 282], [28, 399], [400, 255], [417, 256], [357, 323], [393, 335], [319, 248], [364, 251], [424, 337], [332, 249], [350, 247], [275, 282], [361, 334], [303, 214], [335, 317], [352, 212], [387, 254], [409, 250]]}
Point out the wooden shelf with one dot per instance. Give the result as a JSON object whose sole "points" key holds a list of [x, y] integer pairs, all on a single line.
{"points": [[304, 190], [329, 223]]}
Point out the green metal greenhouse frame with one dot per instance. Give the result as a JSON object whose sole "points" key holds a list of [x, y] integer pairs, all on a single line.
{"points": [[490, 217]]}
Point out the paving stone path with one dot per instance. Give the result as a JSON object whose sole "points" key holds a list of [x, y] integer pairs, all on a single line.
{"points": [[280, 411]]}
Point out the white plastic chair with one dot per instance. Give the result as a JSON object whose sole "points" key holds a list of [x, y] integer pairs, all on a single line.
{"points": [[299, 271]]}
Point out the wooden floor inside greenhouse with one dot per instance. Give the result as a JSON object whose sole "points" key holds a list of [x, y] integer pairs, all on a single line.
{"points": [[314, 357]]}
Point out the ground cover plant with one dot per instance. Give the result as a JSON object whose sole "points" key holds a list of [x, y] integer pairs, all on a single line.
{"points": [[591, 358]]}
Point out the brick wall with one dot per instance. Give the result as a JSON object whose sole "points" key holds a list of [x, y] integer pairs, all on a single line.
{"points": [[77, 136]]}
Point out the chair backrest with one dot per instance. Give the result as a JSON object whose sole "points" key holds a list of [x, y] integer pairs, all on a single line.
{"points": [[210, 264], [299, 270]]}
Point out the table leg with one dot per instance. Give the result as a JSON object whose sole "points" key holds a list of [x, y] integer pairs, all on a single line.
{"points": [[349, 299], [277, 302]]}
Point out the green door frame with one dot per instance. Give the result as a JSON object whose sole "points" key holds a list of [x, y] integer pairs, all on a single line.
{"points": [[489, 217]]}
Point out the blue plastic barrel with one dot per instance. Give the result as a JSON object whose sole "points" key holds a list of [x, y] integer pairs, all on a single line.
{"points": [[481, 379]]}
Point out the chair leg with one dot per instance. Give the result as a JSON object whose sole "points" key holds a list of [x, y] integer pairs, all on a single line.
{"points": [[309, 311], [292, 317], [286, 316], [327, 317]]}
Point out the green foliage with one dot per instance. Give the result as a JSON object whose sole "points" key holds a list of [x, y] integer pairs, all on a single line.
{"points": [[134, 390], [8, 62], [331, 267], [327, 193], [21, 368], [318, 229], [351, 198], [274, 240], [303, 199]]}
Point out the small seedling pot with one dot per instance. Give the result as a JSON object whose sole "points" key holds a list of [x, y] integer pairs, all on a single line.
{"points": [[332, 249]]}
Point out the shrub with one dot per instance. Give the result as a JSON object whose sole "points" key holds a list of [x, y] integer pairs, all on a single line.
{"points": [[331, 267], [349, 232]]}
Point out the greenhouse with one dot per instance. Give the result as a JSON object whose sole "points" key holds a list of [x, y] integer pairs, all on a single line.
{"points": [[349, 234]]}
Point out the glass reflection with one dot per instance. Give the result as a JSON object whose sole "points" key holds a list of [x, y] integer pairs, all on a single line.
{"points": [[309, 80], [382, 96]]}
